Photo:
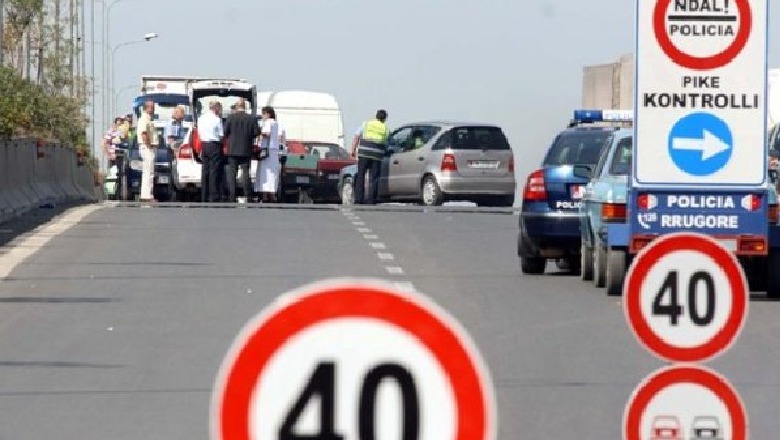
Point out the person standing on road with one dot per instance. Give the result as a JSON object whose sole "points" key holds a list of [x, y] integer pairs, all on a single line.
{"points": [[241, 130], [211, 134], [174, 131], [148, 141], [369, 146], [267, 180]]}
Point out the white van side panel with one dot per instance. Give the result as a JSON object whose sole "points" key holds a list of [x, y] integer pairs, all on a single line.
{"points": [[307, 116]]}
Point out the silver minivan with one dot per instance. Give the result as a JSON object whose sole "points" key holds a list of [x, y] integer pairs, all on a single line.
{"points": [[434, 162]]}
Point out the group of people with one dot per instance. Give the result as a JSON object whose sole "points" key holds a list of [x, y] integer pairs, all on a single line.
{"points": [[240, 130]]}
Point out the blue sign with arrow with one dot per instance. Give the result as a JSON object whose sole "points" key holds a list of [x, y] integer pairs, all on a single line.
{"points": [[700, 144]]}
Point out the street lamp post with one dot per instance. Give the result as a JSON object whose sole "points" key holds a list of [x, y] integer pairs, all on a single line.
{"points": [[148, 37], [108, 69], [119, 92]]}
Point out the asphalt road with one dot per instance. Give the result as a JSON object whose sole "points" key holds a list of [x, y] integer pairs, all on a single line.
{"points": [[116, 327]]}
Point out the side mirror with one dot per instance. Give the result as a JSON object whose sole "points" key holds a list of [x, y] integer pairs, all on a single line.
{"points": [[583, 171]]}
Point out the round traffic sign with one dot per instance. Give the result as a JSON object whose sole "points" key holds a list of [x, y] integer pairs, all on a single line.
{"points": [[687, 36], [685, 402], [350, 359], [686, 297]]}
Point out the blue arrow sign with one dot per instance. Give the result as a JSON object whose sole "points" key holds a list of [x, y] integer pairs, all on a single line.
{"points": [[700, 144]]}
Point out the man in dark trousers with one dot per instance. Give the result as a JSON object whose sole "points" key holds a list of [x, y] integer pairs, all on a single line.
{"points": [[211, 134], [368, 147], [241, 130]]}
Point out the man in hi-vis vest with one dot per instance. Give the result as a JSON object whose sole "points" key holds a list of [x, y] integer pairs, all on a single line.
{"points": [[369, 148]]}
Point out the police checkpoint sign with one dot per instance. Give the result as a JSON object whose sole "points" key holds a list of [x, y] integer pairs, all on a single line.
{"points": [[353, 359], [700, 84]]}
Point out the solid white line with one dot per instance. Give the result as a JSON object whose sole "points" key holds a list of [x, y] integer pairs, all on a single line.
{"points": [[385, 257], [371, 237], [364, 230], [395, 270], [376, 245], [32, 244]]}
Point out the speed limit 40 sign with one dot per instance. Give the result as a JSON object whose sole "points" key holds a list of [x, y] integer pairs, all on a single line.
{"points": [[349, 359], [686, 297]]}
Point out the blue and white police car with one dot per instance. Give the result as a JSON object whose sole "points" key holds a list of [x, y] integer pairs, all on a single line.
{"points": [[550, 213]]}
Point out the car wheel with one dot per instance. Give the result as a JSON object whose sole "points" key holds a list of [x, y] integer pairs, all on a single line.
{"points": [[533, 265], [586, 263], [773, 275], [431, 192], [616, 271], [347, 192], [599, 266]]}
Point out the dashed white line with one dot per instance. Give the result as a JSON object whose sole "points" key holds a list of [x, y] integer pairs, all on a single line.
{"points": [[364, 230], [385, 256], [359, 223], [371, 237], [405, 286], [378, 245], [394, 270]]}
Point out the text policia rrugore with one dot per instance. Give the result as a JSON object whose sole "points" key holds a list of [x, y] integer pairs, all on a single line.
{"points": [[701, 97]]}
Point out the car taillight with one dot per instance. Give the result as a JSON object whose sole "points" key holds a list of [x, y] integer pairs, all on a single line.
{"points": [[534, 187], [774, 214], [195, 141], [448, 163], [511, 165], [185, 152], [613, 212]]}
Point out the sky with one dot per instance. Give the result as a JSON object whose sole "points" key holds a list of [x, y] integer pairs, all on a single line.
{"points": [[515, 63]]}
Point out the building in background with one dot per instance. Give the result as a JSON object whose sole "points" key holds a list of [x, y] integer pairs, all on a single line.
{"points": [[609, 86]]}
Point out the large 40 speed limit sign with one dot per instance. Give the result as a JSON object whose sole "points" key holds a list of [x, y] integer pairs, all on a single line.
{"points": [[353, 360], [686, 297]]}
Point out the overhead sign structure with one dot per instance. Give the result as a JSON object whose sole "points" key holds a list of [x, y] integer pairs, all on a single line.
{"points": [[700, 107], [686, 297], [356, 360], [685, 402]]}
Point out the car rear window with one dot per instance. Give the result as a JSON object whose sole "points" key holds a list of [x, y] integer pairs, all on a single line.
{"points": [[474, 138], [577, 148], [621, 160]]}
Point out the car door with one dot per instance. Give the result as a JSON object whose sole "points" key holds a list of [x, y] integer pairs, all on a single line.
{"points": [[411, 160], [589, 205], [391, 169]]}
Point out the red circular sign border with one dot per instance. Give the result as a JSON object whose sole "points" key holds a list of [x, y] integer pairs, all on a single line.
{"points": [[666, 377], [645, 260], [716, 61], [267, 332]]}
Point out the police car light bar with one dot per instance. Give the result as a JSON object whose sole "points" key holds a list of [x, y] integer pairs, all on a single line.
{"points": [[590, 116]]}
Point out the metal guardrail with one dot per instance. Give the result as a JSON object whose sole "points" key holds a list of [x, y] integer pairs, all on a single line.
{"points": [[36, 174]]}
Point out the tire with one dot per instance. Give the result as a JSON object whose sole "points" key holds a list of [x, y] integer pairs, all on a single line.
{"points": [[586, 263], [431, 193], [599, 266], [347, 192], [773, 275], [533, 265], [616, 271]]}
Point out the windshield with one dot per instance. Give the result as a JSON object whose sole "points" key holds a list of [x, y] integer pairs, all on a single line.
{"points": [[579, 147]]}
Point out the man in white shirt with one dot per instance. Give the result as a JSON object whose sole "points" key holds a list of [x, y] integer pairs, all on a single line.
{"points": [[148, 141], [211, 133]]}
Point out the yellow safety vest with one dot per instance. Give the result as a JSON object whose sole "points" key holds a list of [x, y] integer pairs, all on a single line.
{"points": [[374, 139]]}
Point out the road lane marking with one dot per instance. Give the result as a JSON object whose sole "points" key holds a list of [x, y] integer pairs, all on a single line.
{"points": [[371, 237], [377, 245], [40, 237], [405, 286], [385, 257], [364, 230], [395, 270], [359, 223]]}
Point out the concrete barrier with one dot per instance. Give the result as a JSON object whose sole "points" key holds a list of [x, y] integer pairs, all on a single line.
{"points": [[36, 174]]}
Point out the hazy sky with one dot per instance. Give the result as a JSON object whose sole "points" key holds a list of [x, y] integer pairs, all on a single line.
{"points": [[517, 63]]}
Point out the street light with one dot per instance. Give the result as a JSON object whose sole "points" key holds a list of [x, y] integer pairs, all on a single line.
{"points": [[107, 86], [148, 37], [119, 92]]}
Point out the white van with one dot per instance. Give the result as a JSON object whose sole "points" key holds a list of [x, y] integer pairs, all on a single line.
{"points": [[307, 116]]}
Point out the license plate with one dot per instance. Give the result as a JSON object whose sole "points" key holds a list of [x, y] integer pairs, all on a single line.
{"points": [[577, 191], [301, 179], [728, 243], [333, 176], [163, 179], [484, 164]]}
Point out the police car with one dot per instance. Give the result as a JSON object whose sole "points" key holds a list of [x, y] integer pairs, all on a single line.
{"points": [[550, 213]]}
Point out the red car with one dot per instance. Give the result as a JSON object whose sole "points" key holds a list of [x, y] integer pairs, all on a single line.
{"points": [[331, 159]]}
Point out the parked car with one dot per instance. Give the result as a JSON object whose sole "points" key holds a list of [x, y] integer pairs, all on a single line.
{"points": [[331, 159], [298, 177], [434, 162], [549, 225], [130, 179], [603, 202]]}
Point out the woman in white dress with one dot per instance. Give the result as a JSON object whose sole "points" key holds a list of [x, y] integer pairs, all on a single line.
{"points": [[268, 170]]}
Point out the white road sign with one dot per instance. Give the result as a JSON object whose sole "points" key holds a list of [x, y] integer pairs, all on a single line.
{"points": [[700, 107]]}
